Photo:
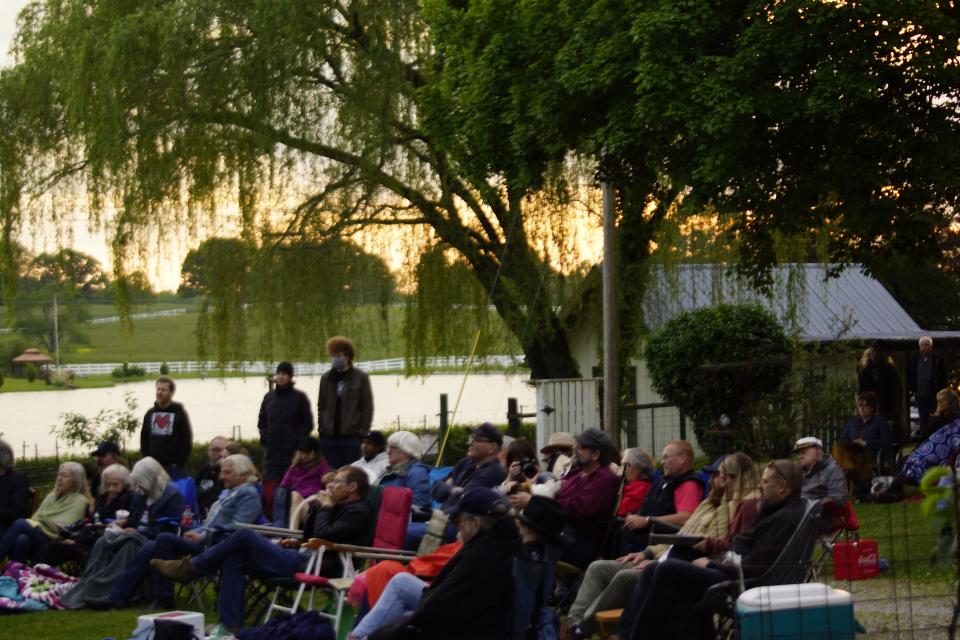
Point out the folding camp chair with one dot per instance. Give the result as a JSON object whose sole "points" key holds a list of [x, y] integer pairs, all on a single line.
{"points": [[388, 537], [844, 525], [792, 566]]}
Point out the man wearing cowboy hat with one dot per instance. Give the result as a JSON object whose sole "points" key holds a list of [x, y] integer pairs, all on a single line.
{"points": [[558, 454]]}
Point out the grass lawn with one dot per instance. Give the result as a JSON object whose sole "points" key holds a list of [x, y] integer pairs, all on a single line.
{"points": [[63, 625], [13, 385], [174, 338]]}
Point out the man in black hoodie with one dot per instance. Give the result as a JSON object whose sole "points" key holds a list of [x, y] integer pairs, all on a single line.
{"points": [[471, 597], [285, 420], [166, 435], [666, 592]]}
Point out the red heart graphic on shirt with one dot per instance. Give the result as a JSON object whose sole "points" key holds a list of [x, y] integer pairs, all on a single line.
{"points": [[161, 420]]}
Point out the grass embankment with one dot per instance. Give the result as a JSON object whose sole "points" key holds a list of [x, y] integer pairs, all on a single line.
{"points": [[173, 338]]}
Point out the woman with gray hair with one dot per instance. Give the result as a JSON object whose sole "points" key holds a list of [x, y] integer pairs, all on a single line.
{"points": [[239, 503], [14, 490], [67, 503], [157, 503], [638, 470]]}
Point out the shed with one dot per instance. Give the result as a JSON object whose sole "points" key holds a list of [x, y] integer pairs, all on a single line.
{"points": [[850, 306]]}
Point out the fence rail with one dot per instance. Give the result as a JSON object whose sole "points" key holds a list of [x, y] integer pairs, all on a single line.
{"points": [[167, 313], [302, 368]]}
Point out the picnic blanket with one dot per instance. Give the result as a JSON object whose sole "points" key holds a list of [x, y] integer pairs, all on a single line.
{"points": [[36, 588]]}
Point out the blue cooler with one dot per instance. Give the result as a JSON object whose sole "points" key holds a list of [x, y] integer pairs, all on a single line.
{"points": [[796, 612]]}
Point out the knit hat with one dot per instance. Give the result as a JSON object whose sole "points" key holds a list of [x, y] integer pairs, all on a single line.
{"points": [[407, 442], [285, 367]]}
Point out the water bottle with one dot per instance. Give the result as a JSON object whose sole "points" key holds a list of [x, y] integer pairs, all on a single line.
{"points": [[187, 521]]}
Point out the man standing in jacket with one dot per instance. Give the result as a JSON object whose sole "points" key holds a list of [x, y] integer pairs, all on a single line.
{"points": [[663, 598], [926, 376], [344, 405], [284, 421], [166, 435]]}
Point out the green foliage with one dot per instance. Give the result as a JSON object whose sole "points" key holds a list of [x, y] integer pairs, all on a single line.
{"points": [[1, 379], [717, 362], [164, 369], [31, 370], [127, 370], [116, 425]]}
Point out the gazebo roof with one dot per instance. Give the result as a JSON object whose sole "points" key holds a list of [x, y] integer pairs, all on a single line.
{"points": [[32, 355]]}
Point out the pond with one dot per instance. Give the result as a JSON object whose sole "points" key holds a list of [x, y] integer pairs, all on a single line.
{"points": [[221, 406]]}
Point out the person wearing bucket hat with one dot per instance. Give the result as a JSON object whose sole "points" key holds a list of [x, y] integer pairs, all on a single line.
{"points": [[285, 420], [406, 470], [822, 476], [558, 454], [467, 599]]}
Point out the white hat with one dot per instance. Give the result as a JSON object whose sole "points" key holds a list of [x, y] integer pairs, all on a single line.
{"points": [[809, 441], [407, 442]]}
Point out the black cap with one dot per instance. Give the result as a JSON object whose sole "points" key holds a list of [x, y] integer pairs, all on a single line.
{"points": [[714, 467], [376, 438], [547, 517], [595, 439], [309, 443], [106, 447], [285, 367], [488, 432], [479, 501]]}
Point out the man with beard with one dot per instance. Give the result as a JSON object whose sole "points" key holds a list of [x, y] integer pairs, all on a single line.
{"points": [[166, 435]]}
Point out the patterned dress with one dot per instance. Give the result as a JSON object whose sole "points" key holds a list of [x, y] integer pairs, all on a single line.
{"points": [[934, 451]]}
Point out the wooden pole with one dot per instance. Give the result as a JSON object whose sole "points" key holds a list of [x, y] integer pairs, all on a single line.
{"points": [[611, 329]]}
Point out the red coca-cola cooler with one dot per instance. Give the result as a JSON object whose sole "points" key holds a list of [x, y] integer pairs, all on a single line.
{"points": [[856, 560]]}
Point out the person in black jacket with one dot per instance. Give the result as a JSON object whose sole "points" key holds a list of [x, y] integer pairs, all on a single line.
{"points": [[926, 376], [207, 479], [14, 490], [471, 597], [667, 591], [343, 516], [166, 435], [285, 420]]}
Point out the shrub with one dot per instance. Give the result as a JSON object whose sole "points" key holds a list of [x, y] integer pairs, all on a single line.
{"points": [[31, 372], [1, 379], [715, 364], [164, 369], [127, 370]]}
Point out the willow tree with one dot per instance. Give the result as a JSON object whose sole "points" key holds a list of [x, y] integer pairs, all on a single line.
{"points": [[471, 122]]}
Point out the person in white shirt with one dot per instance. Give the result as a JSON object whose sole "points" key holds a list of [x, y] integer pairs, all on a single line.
{"points": [[374, 459]]}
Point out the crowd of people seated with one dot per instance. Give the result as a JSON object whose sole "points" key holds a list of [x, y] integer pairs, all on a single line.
{"points": [[578, 500]]}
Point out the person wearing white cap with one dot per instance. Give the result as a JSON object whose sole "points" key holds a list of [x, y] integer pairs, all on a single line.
{"points": [[822, 476], [406, 470]]}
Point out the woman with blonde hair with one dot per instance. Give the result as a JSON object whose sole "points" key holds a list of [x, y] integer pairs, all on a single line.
{"points": [[65, 504], [730, 507]]}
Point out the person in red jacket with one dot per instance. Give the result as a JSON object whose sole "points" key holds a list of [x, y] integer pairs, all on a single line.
{"points": [[638, 470]]}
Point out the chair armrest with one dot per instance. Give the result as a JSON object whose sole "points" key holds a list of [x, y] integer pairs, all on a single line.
{"points": [[662, 525]]}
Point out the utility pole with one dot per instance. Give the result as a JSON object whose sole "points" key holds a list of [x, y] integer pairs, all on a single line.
{"points": [[56, 331], [611, 329]]}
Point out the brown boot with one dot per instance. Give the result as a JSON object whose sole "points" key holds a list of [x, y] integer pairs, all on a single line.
{"points": [[181, 570], [570, 631]]}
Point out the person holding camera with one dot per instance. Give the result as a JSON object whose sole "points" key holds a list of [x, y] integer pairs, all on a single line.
{"points": [[587, 494], [523, 472]]}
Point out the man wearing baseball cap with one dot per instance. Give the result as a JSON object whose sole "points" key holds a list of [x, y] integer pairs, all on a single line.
{"points": [[479, 468], [106, 453], [468, 598], [373, 459], [822, 476], [285, 420]]}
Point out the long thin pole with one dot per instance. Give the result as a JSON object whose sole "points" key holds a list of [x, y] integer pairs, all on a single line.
{"points": [[611, 332], [56, 331]]}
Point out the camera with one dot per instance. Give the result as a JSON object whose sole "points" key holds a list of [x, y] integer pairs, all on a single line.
{"points": [[529, 468]]}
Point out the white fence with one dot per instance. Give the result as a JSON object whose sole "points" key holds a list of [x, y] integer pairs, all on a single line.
{"points": [[140, 316], [302, 368]]}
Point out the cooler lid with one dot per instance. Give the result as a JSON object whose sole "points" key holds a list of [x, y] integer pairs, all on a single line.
{"points": [[792, 596]]}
